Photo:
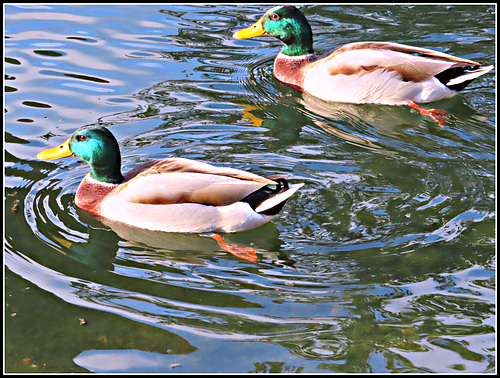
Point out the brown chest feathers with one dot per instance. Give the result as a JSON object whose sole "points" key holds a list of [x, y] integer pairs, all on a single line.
{"points": [[90, 194], [290, 69]]}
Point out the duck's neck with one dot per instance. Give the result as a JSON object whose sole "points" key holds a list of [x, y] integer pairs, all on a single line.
{"points": [[91, 192], [297, 49], [290, 69], [106, 172]]}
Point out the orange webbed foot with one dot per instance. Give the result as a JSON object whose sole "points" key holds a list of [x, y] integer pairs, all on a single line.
{"points": [[246, 253], [438, 115]]}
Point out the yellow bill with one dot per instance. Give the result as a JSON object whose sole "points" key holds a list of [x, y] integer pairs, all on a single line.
{"points": [[57, 152], [255, 30]]}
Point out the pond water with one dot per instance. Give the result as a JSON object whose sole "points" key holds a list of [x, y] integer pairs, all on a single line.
{"points": [[384, 261]]}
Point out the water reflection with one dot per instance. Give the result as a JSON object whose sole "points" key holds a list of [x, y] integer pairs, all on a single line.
{"points": [[385, 118]]}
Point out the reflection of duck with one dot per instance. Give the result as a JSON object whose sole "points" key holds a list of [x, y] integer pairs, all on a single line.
{"points": [[173, 195], [267, 241], [172, 241], [383, 117], [362, 72], [388, 119], [103, 243]]}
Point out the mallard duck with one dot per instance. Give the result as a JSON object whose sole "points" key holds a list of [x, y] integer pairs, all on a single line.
{"points": [[361, 72], [173, 194]]}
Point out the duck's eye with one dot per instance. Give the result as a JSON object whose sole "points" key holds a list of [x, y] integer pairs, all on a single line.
{"points": [[81, 138], [274, 17]]}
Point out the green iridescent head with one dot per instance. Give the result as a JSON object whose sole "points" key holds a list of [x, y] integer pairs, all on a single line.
{"points": [[286, 23], [97, 147]]}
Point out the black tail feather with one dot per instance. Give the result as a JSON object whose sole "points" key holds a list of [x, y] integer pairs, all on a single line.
{"points": [[454, 72], [256, 198]]}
